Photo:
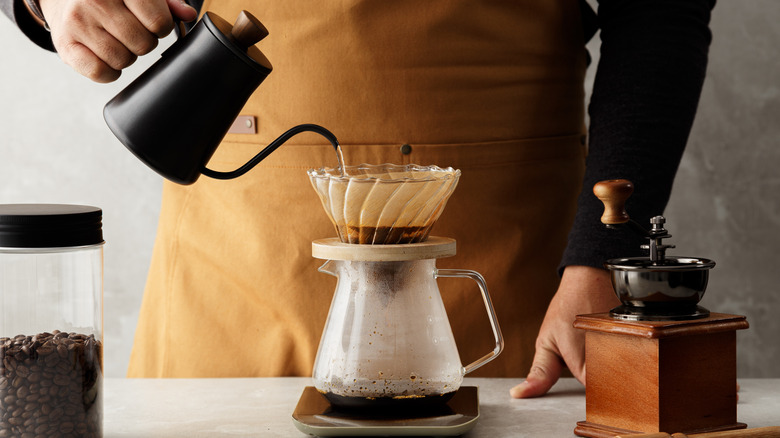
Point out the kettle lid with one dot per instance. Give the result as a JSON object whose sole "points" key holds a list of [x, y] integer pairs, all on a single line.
{"points": [[241, 38]]}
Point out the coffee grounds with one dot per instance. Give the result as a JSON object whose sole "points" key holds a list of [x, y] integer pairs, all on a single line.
{"points": [[383, 235], [51, 385]]}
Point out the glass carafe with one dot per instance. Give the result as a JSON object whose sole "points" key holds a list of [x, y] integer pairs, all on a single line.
{"points": [[387, 340]]}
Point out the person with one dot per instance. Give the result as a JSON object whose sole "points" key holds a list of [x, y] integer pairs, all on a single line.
{"points": [[490, 87]]}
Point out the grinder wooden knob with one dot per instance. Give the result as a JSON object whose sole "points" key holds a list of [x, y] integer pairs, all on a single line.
{"points": [[248, 30], [614, 193]]}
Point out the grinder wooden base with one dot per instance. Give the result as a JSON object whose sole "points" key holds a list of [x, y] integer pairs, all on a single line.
{"points": [[660, 376]]}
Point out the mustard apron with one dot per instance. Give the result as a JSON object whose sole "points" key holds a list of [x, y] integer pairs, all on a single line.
{"points": [[493, 88]]}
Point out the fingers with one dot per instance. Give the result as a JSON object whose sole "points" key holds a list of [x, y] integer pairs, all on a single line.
{"points": [[545, 371], [157, 16], [182, 10], [93, 52], [86, 63], [134, 27], [582, 290]]}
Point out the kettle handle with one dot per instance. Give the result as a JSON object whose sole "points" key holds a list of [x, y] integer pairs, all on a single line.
{"points": [[272, 147], [463, 273]]}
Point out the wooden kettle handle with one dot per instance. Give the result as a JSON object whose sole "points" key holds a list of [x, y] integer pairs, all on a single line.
{"points": [[614, 193], [248, 30]]}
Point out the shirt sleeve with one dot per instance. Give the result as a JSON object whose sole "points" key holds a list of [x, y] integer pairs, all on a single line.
{"points": [[645, 95], [17, 12]]}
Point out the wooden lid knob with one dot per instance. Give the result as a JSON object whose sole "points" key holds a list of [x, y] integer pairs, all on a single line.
{"points": [[614, 193], [248, 30]]}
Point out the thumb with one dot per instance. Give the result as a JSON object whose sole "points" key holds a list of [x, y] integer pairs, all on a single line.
{"points": [[545, 371], [181, 10]]}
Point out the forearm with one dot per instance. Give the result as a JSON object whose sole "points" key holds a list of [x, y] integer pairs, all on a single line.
{"points": [[649, 79]]}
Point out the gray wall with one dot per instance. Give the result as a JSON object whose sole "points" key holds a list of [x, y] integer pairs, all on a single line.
{"points": [[726, 199], [55, 147]]}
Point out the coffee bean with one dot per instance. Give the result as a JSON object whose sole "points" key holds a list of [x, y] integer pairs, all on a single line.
{"points": [[52, 359], [50, 385], [61, 380], [67, 427], [62, 350], [22, 371], [45, 349]]}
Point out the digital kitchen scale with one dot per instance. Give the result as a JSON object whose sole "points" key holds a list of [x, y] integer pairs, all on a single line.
{"points": [[314, 415]]}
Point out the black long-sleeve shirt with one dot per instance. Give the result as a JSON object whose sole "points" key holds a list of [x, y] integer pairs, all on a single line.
{"points": [[648, 82]]}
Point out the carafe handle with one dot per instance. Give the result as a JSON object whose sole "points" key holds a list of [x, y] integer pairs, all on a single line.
{"points": [[463, 273]]}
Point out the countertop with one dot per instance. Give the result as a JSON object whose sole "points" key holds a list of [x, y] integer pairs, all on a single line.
{"points": [[262, 407]]}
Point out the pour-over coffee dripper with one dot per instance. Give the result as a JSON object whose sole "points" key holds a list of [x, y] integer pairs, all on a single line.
{"points": [[384, 203]]}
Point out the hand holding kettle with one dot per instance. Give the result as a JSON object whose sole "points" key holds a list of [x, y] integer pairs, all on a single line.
{"points": [[99, 38]]}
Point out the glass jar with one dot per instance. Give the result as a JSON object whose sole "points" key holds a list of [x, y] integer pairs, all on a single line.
{"points": [[51, 320]]}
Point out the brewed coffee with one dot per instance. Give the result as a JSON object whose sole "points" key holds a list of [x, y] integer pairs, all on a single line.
{"points": [[383, 235], [422, 405]]}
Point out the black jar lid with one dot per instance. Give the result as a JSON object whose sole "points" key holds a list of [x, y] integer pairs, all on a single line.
{"points": [[49, 225]]}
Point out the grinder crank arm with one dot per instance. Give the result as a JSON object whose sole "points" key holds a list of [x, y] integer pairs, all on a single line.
{"points": [[759, 432], [614, 193]]}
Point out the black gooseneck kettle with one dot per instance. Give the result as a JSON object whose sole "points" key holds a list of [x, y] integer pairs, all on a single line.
{"points": [[176, 113]]}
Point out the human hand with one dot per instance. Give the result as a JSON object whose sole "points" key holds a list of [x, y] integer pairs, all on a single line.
{"points": [[582, 290], [98, 38]]}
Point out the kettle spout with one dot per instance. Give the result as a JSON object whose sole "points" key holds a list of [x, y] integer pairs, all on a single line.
{"points": [[328, 268]]}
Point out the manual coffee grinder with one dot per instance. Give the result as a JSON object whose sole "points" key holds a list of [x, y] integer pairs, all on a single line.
{"points": [[387, 362], [659, 362]]}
